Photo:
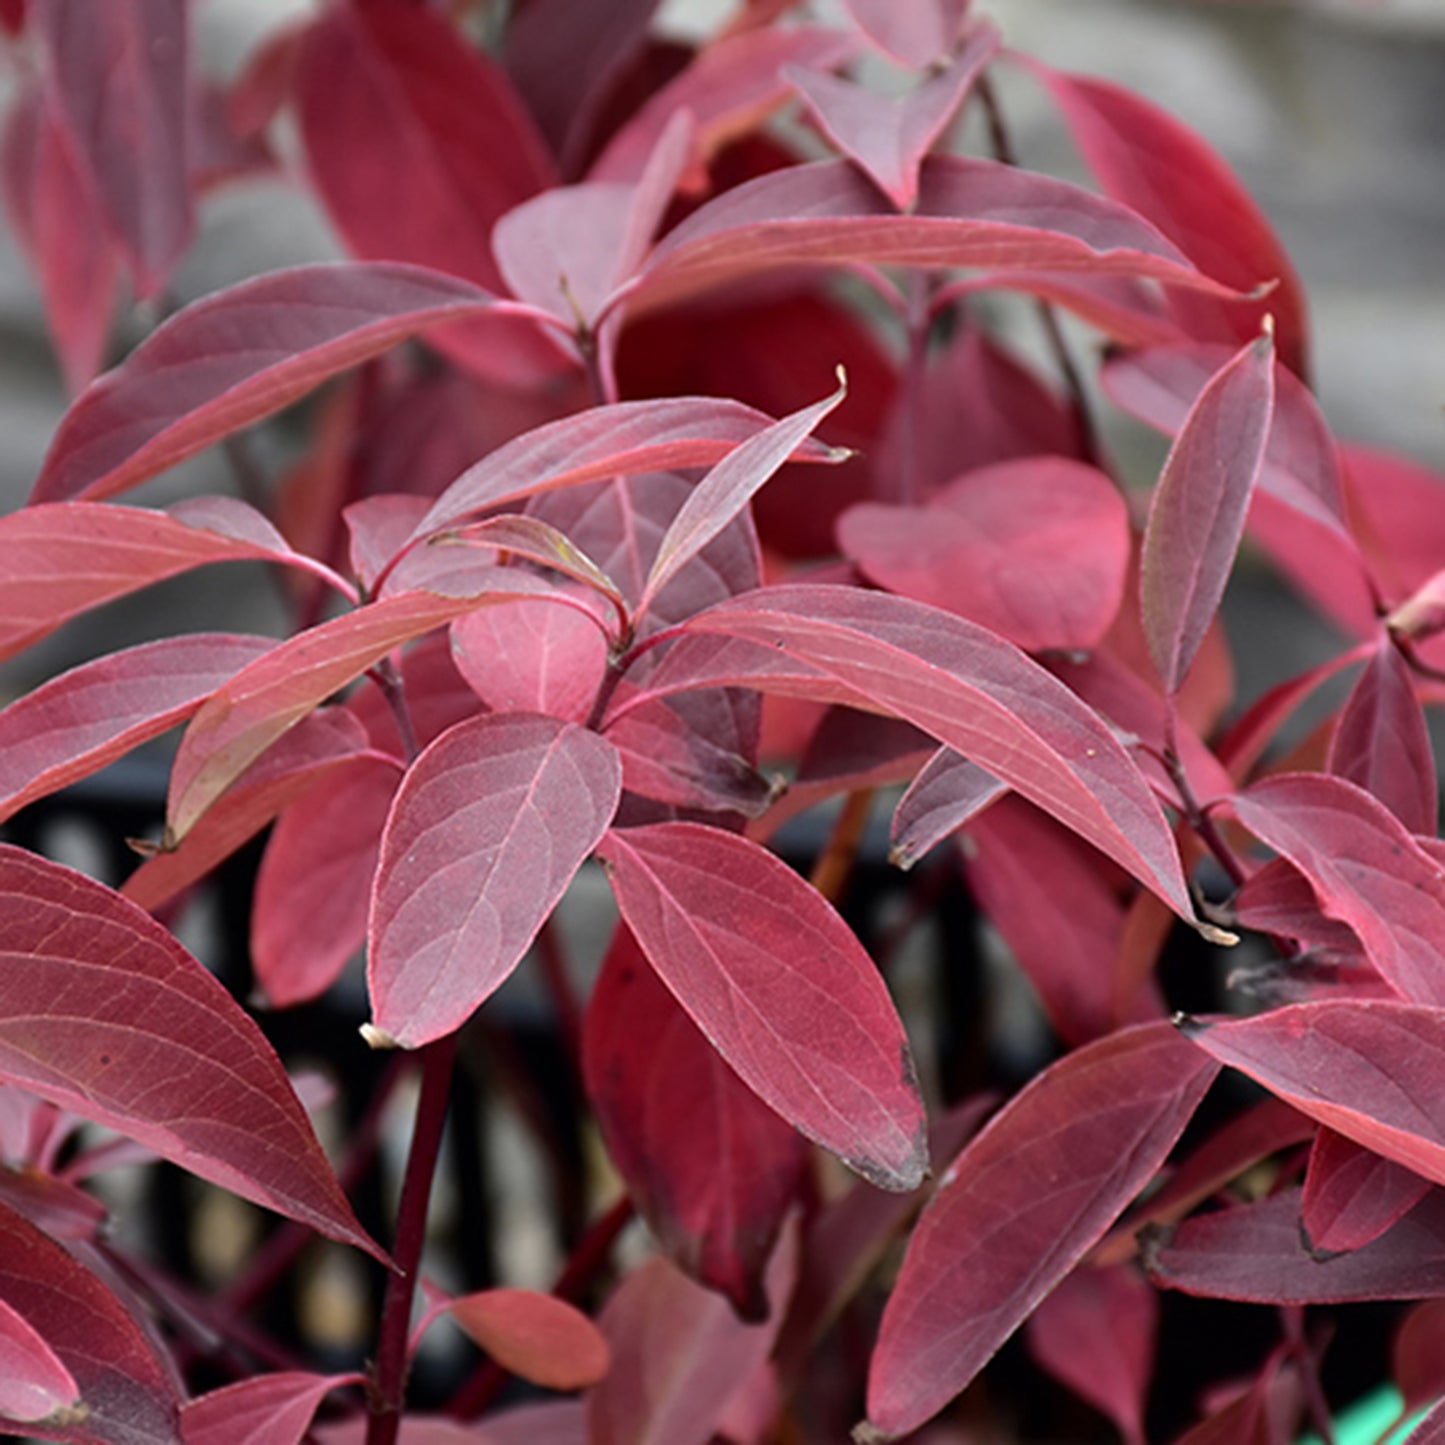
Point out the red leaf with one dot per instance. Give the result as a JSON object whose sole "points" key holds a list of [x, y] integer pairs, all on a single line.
{"points": [[76, 723], [1278, 899], [235, 356], [34, 1384], [488, 828], [104, 1013], [1352, 1195], [946, 794], [1396, 502], [537, 1336], [1197, 516], [1366, 870], [915, 33], [129, 1393], [1020, 1206], [558, 1422], [265, 1410], [1151, 161], [1381, 741], [1417, 1359], [119, 78], [780, 986], [711, 1168], [1035, 550]]}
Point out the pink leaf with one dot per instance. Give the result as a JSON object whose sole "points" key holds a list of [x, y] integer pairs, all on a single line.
{"points": [[75, 724], [34, 1384], [946, 794], [1197, 516], [265, 1410], [1279, 899], [780, 986], [915, 33], [487, 830], [377, 527], [1352, 1195], [1034, 549], [233, 357], [1020, 1206], [537, 1336], [119, 77], [1396, 503], [104, 1013]]}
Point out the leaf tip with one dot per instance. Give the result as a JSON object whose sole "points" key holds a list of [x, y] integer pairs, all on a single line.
{"points": [[902, 857], [865, 1432], [378, 1038], [1187, 1024], [1212, 933]]}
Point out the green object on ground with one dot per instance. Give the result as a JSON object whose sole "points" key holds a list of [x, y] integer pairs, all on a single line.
{"points": [[1367, 1420]]}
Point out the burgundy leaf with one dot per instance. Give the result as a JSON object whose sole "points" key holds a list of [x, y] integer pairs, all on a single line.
{"points": [[128, 1392], [75, 724], [106, 1014], [915, 33], [947, 793], [119, 78], [711, 1168], [537, 1336], [889, 137], [34, 1384], [1352, 1195], [1417, 1361], [1278, 899], [1267, 1413], [1034, 549], [780, 986], [1197, 516], [487, 830], [233, 357], [1020, 1206], [1366, 870], [1381, 741], [264, 1410]]}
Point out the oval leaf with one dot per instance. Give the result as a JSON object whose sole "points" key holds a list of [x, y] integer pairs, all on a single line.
{"points": [[34, 1383], [1353, 1195], [267, 1410], [537, 1336]]}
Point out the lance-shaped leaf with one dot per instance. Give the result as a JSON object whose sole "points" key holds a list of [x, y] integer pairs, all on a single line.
{"points": [[1381, 741], [487, 830], [1353, 1195], [264, 1410], [119, 79], [889, 136], [238, 355], [1366, 870], [1324, 1058], [34, 1383], [1197, 516], [1020, 1206], [76, 723], [537, 1336], [948, 791], [915, 33], [105, 1014], [772, 975], [968, 688]]}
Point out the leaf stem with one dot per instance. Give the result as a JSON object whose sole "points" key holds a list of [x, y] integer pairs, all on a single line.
{"points": [[1197, 817], [387, 677]]}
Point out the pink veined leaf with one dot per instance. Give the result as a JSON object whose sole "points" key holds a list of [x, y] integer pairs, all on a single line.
{"points": [[969, 213], [889, 137], [1035, 549], [1366, 870], [236, 356], [1279, 899], [1095, 1334], [1352, 1195], [1322, 1057], [947, 793], [34, 1384], [120, 79], [1397, 504], [264, 1410], [52, 214], [1155, 164], [377, 527], [313, 889], [781, 988], [76, 723], [536, 1336], [1021, 1206], [915, 33], [1197, 516], [129, 1393], [488, 828], [679, 1354], [104, 1013], [966, 687], [712, 1169], [1381, 742]]}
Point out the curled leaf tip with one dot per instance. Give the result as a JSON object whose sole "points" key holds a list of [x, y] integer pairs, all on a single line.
{"points": [[1212, 933], [867, 1433], [902, 857], [378, 1038]]}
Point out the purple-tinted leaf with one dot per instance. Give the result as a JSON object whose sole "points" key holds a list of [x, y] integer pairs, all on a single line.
{"points": [[129, 1393], [1278, 899], [889, 137], [487, 830], [265, 1410], [1266, 1413], [1381, 741], [946, 794], [233, 357], [78, 722], [1417, 1361], [1197, 517], [313, 889], [104, 1013], [780, 986], [1352, 1195], [1366, 870], [34, 1384], [378, 526], [537, 1336], [915, 33], [1020, 1206], [711, 1168], [119, 78], [1034, 549]]}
